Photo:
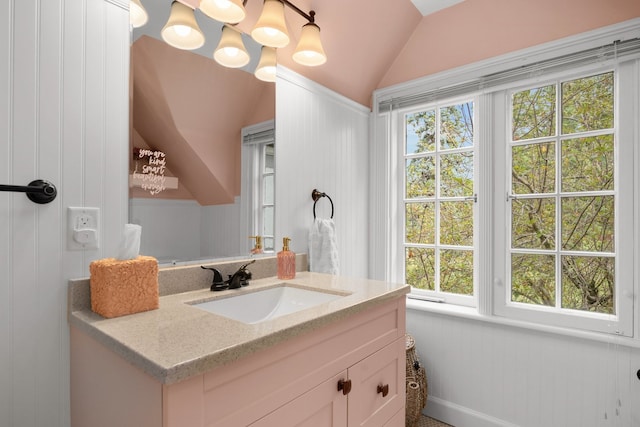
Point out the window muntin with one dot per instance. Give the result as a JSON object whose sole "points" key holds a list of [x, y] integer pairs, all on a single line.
{"points": [[562, 215], [439, 200]]}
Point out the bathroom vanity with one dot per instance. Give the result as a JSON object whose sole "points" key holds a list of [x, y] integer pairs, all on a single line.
{"points": [[340, 362]]}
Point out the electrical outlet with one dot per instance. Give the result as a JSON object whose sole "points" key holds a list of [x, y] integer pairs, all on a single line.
{"points": [[82, 228], [85, 220]]}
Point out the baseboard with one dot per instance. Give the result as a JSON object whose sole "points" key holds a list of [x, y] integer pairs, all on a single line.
{"points": [[460, 416]]}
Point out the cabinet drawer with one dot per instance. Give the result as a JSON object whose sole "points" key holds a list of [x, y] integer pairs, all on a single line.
{"points": [[378, 386]]}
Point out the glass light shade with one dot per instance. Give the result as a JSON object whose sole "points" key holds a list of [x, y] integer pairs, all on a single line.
{"points": [[182, 30], [137, 14], [271, 28], [231, 51], [309, 50], [231, 11], [266, 69]]}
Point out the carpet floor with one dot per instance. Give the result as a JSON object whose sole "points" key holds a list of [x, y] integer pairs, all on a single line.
{"points": [[430, 422]]}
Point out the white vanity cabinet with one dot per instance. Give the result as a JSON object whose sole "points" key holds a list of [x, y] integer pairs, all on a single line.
{"points": [[291, 383]]}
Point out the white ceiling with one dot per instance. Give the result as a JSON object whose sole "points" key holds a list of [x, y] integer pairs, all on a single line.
{"points": [[427, 7]]}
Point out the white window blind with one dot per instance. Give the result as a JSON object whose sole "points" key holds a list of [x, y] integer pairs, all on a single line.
{"points": [[266, 136], [616, 51]]}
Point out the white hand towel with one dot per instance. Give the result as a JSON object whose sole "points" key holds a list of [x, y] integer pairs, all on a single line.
{"points": [[323, 247]]}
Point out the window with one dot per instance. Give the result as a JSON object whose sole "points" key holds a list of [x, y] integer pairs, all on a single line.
{"points": [[567, 202], [266, 219], [439, 201], [520, 198], [562, 195], [258, 183]]}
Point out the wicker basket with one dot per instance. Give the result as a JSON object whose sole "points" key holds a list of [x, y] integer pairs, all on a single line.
{"points": [[416, 385]]}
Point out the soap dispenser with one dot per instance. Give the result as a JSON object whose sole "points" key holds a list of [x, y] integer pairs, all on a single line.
{"points": [[286, 261], [257, 246]]}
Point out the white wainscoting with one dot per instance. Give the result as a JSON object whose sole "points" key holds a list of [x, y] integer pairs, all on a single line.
{"points": [[322, 143], [171, 229], [182, 230], [487, 375], [222, 235], [63, 117]]}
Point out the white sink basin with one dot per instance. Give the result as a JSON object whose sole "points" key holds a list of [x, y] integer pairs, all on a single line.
{"points": [[258, 306]]}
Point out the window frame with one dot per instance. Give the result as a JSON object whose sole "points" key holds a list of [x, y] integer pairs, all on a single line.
{"points": [[253, 139], [424, 294], [491, 294], [261, 196], [620, 323]]}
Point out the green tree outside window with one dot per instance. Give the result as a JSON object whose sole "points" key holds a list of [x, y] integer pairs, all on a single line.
{"points": [[563, 202]]}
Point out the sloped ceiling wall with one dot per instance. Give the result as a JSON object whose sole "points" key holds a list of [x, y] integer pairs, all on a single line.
{"points": [[360, 37], [192, 109], [475, 30], [369, 44]]}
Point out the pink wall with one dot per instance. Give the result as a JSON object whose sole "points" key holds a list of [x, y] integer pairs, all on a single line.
{"points": [[372, 44], [360, 37], [479, 29], [193, 110]]}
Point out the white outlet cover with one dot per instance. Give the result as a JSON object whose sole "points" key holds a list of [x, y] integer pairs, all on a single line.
{"points": [[87, 220]]}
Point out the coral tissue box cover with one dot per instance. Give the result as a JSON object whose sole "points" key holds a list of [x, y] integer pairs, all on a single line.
{"points": [[124, 287]]}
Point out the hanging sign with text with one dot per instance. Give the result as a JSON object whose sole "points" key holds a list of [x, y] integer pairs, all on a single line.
{"points": [[152, 176]]}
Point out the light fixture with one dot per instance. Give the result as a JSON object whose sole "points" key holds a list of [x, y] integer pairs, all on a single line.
{"points": [[229, 11], [137, 14], [182, 30], [309, 50], [266, 69], [231, 51], [271, 28]]}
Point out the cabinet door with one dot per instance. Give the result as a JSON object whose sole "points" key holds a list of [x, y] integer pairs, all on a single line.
{"points": [[398, 420], [322, 406], [378, 386]]}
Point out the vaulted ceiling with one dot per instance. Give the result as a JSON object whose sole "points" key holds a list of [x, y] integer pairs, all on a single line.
{"points": [[359, 38], [192, 109], [370, 44]]}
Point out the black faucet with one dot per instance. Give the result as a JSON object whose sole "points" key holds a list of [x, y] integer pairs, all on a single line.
{"points": [[236, 280], [241, 277], [218, 284]]}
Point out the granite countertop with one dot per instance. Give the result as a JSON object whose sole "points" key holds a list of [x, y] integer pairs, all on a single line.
{"points": [[178, 341]]}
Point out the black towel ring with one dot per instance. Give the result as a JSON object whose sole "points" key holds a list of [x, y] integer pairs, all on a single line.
{"points": [[316, 195]]}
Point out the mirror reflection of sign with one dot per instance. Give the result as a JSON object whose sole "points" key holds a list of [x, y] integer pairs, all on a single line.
{"points": [[152, 176]]}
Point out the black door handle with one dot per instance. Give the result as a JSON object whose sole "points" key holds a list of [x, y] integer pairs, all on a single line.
{"points": [[38, 191]]}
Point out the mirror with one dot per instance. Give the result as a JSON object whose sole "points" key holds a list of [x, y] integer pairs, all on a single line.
{"points": [[187, 113]]}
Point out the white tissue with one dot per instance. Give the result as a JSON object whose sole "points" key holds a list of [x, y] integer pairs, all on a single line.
{"points": [[130, 243]]}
